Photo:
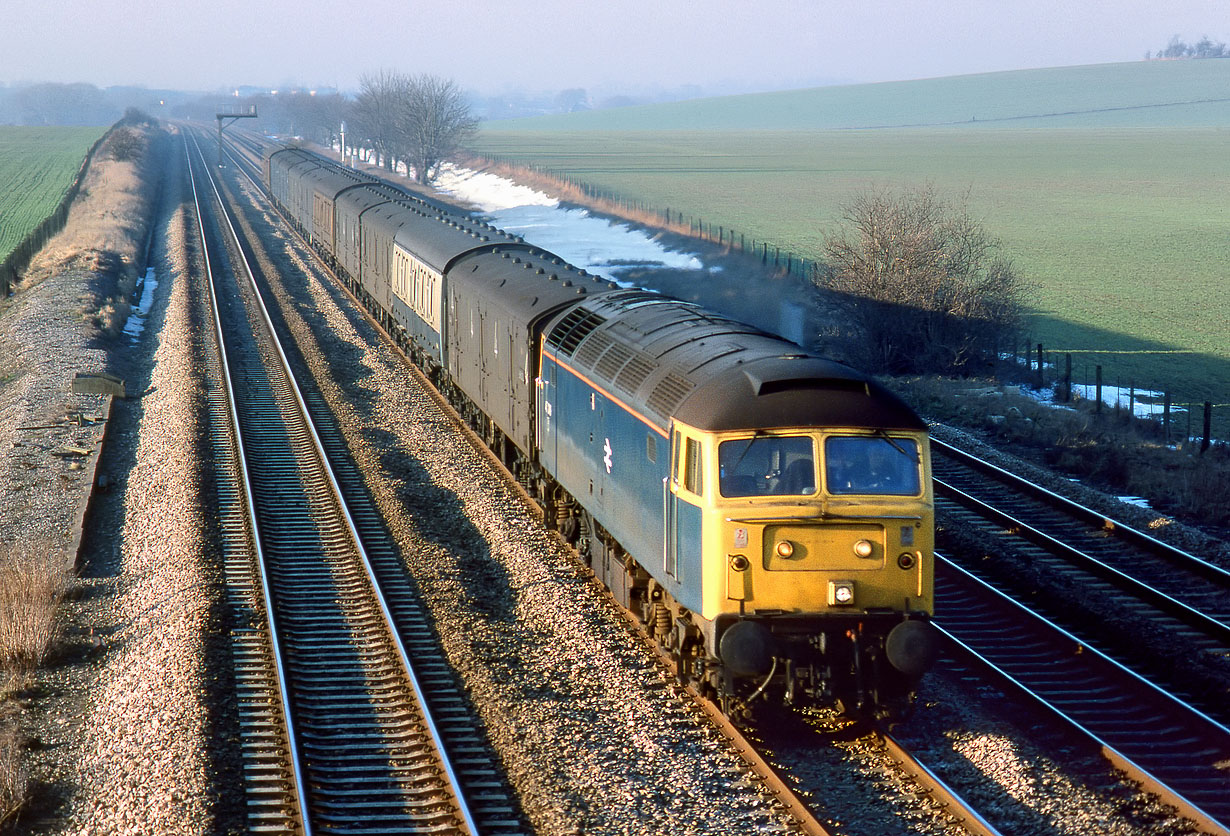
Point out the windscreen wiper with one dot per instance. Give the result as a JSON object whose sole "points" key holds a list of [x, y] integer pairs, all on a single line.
{"points": [[914, 457]]}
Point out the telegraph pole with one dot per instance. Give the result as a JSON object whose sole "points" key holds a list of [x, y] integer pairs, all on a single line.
{"points": [[231, 117]]}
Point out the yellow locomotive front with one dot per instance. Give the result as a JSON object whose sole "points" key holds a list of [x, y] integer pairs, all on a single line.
{"points": [[830, 521], [818, 565]]}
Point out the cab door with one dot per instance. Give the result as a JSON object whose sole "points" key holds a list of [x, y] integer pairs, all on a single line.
{"points": [[684, 513], [670, 507]]}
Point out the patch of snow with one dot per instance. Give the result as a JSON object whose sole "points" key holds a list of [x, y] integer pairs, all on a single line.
{"points": [[1144, 403], [135, 324], [488, 191], [597, 245], [600, 246]]}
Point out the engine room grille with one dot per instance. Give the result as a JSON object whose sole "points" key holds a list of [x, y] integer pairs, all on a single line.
{"points": [[634, 374], [613, 360], [573, 328], [591, 349], [669, 393]]}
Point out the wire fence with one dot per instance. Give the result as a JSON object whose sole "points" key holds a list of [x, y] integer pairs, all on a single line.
{"points": [[1072, 376]]}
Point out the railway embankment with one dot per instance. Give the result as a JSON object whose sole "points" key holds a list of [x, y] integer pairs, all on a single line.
{"points": [[62, 356]]}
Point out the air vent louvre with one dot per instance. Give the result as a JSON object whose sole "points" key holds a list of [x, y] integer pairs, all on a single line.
{"points": [[592, 349], [669, 393], [634, 374], [573, 328], [613, 360]]}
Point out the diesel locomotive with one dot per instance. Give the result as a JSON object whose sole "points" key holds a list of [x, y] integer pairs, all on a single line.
{"points": [[767, 513]]}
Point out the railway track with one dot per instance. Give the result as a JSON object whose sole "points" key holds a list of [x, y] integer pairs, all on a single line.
{"points": [[350, 717], [1189, 588], [931, 789], [1173, 749], [1157, 589]]}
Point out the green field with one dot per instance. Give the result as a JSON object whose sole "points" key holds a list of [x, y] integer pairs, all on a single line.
{"points": [[1117, 209], [37, 166]]}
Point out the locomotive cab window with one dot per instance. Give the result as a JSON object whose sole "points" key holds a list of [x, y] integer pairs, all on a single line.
{"points": [[765, 465], [872, 465], [693, 473]]}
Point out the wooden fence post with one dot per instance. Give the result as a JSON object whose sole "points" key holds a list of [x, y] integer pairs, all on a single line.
{"points": [[1098, 373], [1166, 416], [1208, 427]]}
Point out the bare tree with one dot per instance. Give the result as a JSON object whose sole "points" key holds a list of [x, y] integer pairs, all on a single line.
{"points": [[376, 113], [434, 124], [920, 284]]}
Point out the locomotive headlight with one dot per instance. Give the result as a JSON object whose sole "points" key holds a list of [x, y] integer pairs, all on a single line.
{"points": [[863, 548], [841, 593], [784, 549]]}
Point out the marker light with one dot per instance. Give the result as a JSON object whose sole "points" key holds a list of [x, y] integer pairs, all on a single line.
{"points": [[906, 560], [863, 548], [785, 548], [841, 593]]}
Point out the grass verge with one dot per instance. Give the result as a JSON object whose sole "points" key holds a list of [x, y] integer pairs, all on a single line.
{"points": [[33, 583]]}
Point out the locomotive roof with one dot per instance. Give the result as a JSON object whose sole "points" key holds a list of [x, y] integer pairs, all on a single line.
{"points": [[671, 358]]}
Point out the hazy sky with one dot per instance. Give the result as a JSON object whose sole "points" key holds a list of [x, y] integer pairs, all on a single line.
{"points": [[492, 45]]}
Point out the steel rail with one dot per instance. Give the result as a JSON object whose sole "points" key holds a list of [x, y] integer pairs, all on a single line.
{"points": [[327, 468], [253, 523], [969, 818], [1116, 753]]}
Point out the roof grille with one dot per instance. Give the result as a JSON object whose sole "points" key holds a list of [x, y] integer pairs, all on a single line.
{"points": [[592, 348], [669, 393], [573, 328], [613, 360], [634, 374]]}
